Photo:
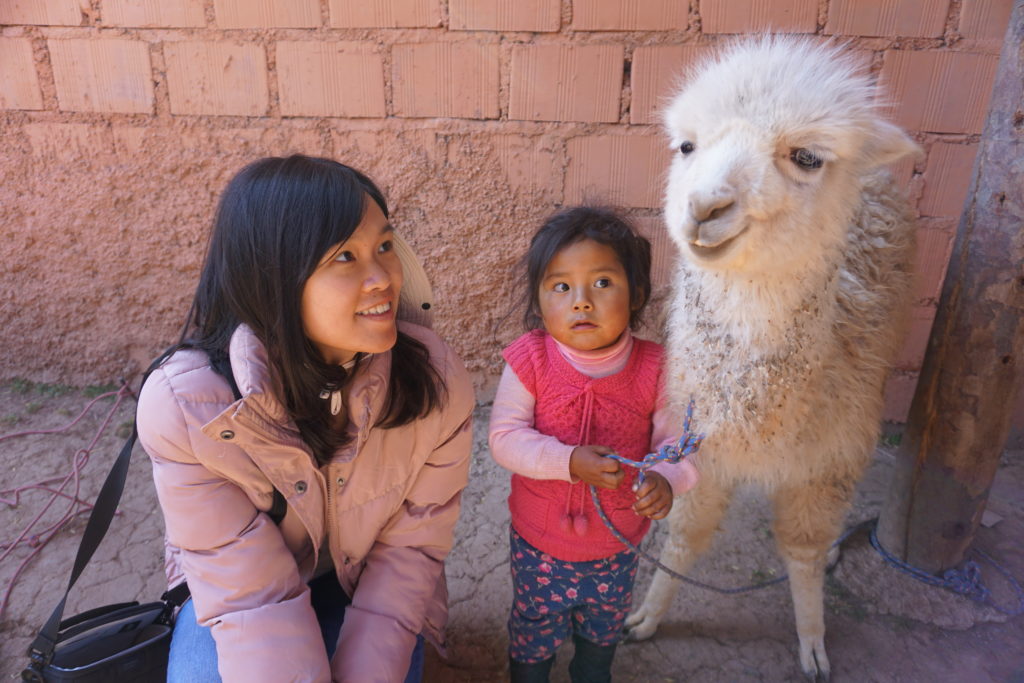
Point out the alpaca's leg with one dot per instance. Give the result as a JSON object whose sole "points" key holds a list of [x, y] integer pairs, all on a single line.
{"points": [[807, 522], [692, 524]]}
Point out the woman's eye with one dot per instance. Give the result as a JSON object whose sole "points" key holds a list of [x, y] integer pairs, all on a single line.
{"points": [[686, 147], [387, 246], [805, 159], [603, 282], [561, 287], [345, 257]]}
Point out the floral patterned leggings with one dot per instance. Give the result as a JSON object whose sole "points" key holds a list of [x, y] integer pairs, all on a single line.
{"points": [[552, 598]]}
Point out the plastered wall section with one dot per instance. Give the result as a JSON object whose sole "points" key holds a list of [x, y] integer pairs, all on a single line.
{"points": [[120, 122]]}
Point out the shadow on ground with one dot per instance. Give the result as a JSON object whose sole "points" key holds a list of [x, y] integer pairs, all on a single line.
{"points": [[882, 625]]}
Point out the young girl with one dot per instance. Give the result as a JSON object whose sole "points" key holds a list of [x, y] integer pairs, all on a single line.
{"points": [[577, 389], [357, 423]]}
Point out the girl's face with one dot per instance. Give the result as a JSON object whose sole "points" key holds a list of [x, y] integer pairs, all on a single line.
{"points": [[584, 296], [350, 300]]}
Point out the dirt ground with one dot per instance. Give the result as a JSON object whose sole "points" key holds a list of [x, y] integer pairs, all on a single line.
{"points": [[882, 625]]}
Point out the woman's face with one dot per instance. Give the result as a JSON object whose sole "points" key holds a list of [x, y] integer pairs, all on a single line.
{"points": [[350, 300]]}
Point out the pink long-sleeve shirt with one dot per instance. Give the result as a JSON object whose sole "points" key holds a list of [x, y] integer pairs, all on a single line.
{"points": [[517, 446]]}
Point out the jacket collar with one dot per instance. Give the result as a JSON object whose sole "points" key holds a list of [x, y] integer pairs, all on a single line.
{"points": [[261, 409]]}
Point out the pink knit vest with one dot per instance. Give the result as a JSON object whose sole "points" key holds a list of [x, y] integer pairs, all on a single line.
{"points": [[614, 411]]}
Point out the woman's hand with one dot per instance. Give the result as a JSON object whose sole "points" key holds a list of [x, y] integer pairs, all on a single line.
{"points": [[654, 497], [588, 464]]}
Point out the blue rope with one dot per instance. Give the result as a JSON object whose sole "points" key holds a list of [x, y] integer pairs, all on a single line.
{"points": [[965, 581], [688, 444]]}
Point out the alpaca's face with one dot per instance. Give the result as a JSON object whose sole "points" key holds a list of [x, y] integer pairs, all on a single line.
{"points": [[769, 144]]}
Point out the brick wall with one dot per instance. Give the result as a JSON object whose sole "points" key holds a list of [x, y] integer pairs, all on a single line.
{"points": [[121, 120]]}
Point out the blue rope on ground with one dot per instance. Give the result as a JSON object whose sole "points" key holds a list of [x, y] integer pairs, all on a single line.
{"points": [[966, 581]]}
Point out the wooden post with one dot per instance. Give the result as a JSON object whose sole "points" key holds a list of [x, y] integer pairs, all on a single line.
{"points": [[974, 366]]}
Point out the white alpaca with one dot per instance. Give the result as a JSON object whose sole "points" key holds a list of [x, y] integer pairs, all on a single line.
{"points": [[788, 300]]}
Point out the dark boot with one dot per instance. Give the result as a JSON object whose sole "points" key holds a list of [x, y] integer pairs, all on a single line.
{"points": [[537, 672], [592, 663]]}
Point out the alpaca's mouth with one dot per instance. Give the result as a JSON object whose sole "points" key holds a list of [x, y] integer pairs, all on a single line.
{"points": [[716, 251]]}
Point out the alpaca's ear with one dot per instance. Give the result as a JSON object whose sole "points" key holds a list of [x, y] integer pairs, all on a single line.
{"points": [[885, 144]]}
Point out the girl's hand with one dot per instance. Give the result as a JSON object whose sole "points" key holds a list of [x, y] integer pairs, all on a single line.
{"points": [[588, 464], [654, 497]]}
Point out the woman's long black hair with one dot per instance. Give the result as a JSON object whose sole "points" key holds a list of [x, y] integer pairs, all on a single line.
{"points": [[277, 219]]}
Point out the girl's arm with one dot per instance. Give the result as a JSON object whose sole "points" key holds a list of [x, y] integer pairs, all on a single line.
{"points": [[405, 567], [244, 581], [515, 444]]}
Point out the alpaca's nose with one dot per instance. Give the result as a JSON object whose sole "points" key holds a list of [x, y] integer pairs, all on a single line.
{"points": [[704, 209]]}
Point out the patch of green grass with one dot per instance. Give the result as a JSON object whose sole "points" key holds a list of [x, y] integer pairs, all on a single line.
{"points": [[54, 390], [63, 412], [33, 407], [94, 390], [890, 440], [761, 575], [10, 420], [124, 430], [19, 385]]}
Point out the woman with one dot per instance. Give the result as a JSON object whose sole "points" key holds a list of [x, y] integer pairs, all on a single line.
{"points": [[360, 423]]}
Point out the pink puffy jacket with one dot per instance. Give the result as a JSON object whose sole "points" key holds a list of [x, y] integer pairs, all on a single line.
{"points": [[386, 505]]}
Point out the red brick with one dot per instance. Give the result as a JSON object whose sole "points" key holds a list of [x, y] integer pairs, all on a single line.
{"points": [[267, 13], [385, 13], [947, 178], [899, 392], [654, 75], [41, 12], [216, 78], [109, 75], [330, 79], [504, 15], [629, 15], [939, 91], [663, 251], [19, 85], [620, 170], [742, 16], [919, 327], [985, 19], [914, 18], [934, 246], [162, 13], [566, 82], [68, 140], [446, 79]]}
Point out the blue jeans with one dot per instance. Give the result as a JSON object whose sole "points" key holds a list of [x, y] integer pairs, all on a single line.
{"points": [[193, 657]]}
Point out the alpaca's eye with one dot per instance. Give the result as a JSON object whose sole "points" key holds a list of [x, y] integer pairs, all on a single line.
{"points": [[686, 147], [805, 159]]}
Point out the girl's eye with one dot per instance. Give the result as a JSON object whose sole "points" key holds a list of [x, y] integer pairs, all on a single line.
{"points": [[686, 147], [386, 246], [561, 287], [345, 257], [603, 282]]}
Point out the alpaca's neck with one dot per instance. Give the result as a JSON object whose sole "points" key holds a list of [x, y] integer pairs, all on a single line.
{"points": [[764, 313]]}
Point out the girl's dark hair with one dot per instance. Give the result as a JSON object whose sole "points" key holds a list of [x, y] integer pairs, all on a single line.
{"points": [[276, 220], [602, 225]]}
